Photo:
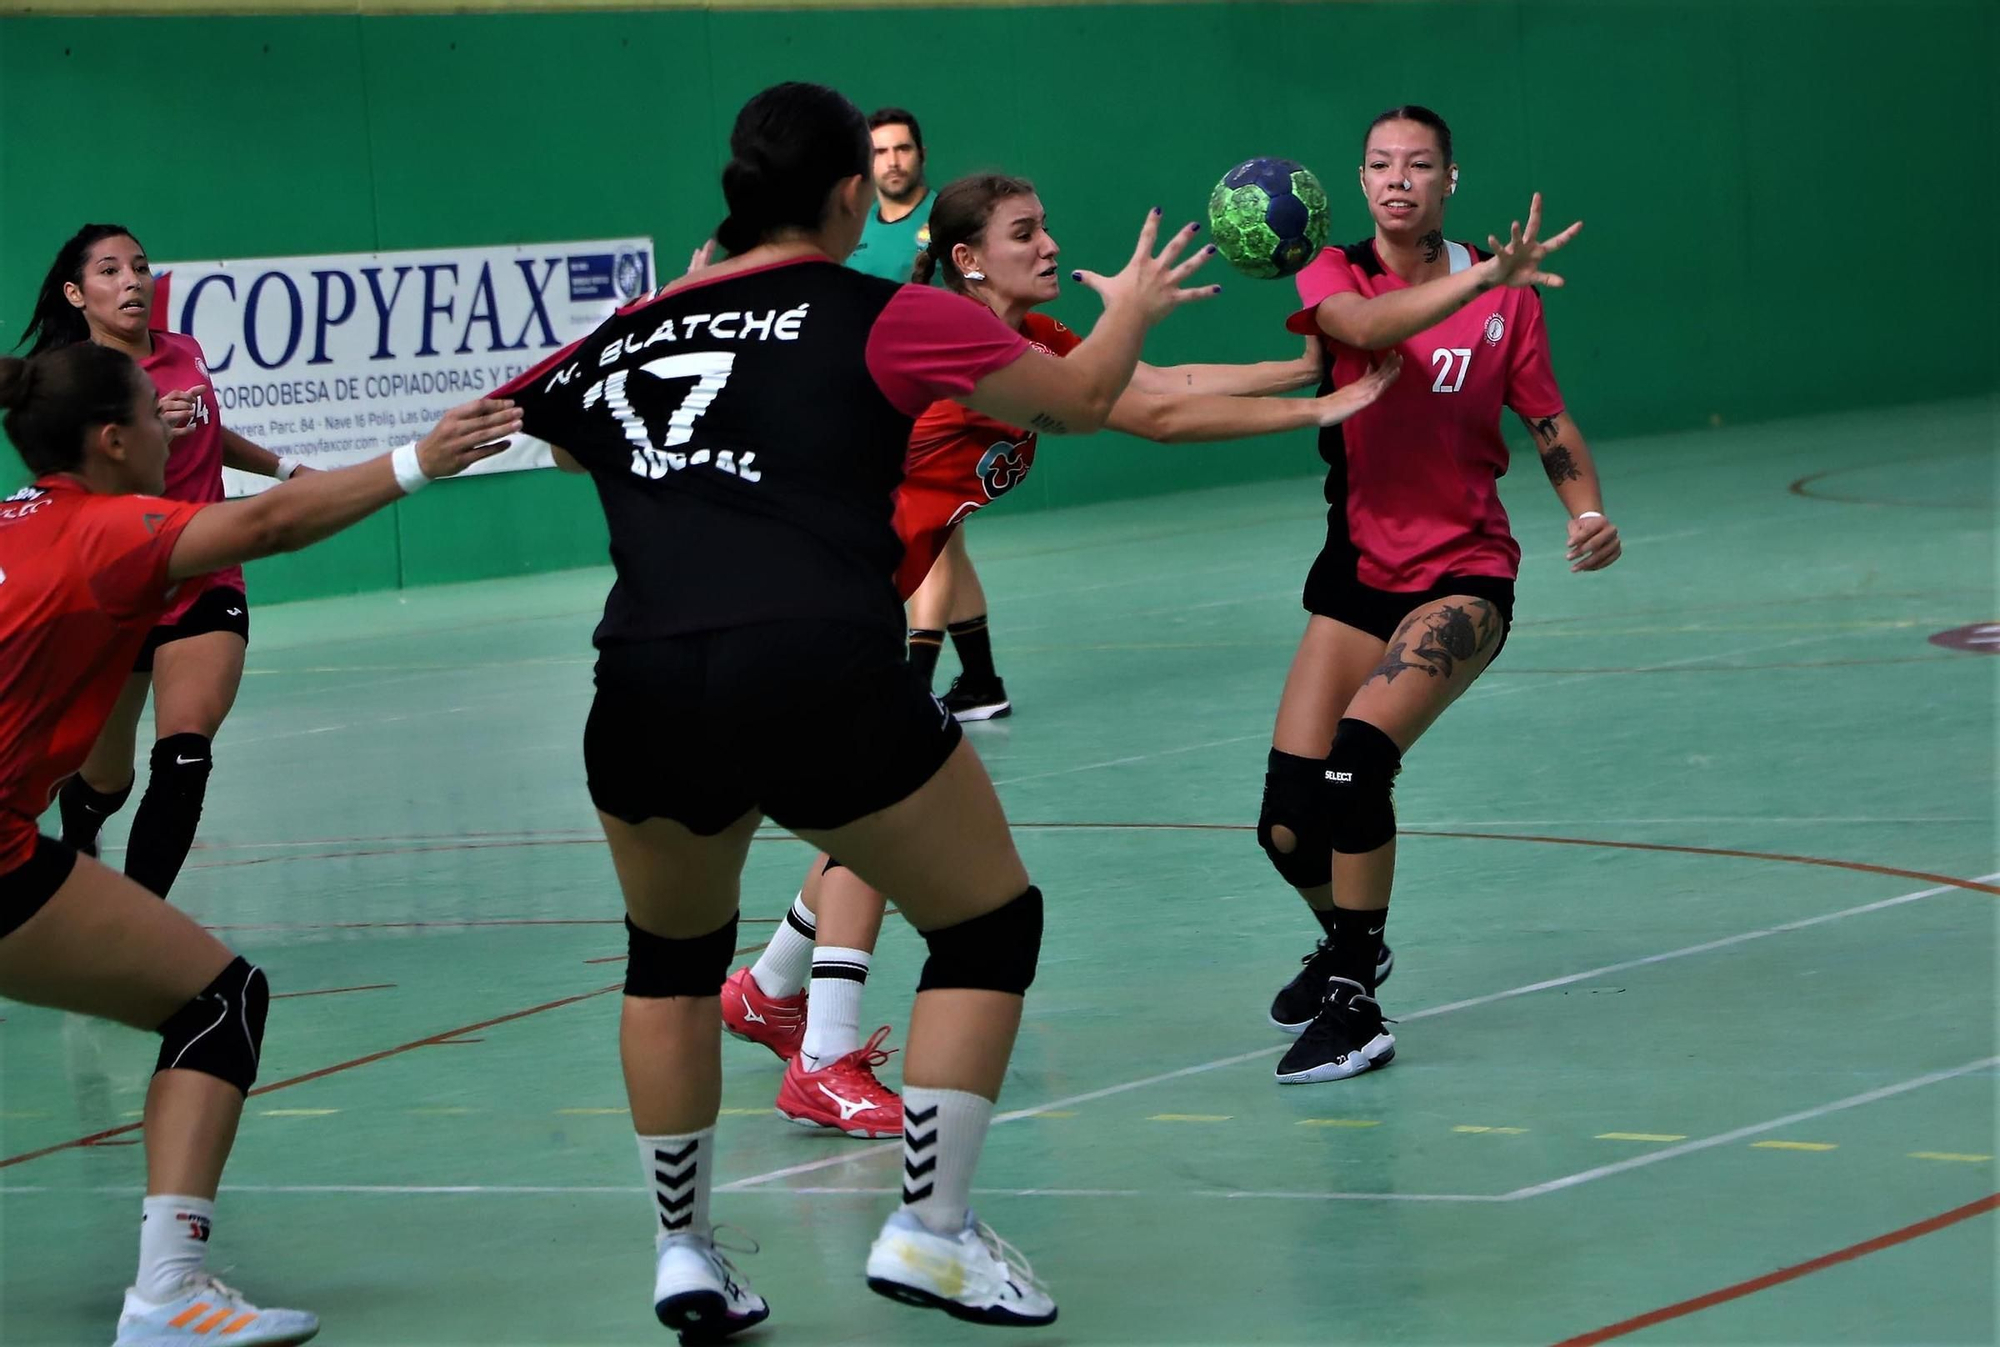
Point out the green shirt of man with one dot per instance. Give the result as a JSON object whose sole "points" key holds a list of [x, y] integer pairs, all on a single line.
{"points": [[900, 226]]}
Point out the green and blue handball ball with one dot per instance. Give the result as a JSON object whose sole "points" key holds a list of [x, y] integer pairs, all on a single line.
{"points": [[1268, 217]]}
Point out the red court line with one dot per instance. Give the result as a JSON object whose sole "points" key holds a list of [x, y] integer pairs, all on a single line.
{"points": [[429, 1040], [1783, 1275], [336, 991]]}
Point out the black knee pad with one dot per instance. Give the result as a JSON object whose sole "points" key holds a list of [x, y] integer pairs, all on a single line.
{"points": [[1296, 798], [1360, 773], [656, 966], [221, 1032], [993, 953], [181, 764]]}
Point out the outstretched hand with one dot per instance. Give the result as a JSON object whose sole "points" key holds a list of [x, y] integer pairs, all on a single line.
{"points": [[466, 434], [1153, 282], [1518, 261], [1338, 406]]}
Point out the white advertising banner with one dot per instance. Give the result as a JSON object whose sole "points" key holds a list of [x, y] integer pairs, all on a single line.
{"points": [[335, 359]]}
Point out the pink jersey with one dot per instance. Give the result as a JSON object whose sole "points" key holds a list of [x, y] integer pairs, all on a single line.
{"points": [[194, 460], [1413, 481]]}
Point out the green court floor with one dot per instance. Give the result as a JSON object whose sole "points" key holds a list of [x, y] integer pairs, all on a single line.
{"points": [[1695, 933]]}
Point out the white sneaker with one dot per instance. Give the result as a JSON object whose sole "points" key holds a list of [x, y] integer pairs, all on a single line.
{"points": [[700, 1294], [973, 1275], [206, 1311]]}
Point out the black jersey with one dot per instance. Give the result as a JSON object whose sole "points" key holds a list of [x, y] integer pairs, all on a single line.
{"points": [[746, 436]]}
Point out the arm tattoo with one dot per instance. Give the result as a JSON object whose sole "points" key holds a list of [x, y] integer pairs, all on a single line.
{"points": [[1560, 464], [1545, 429], [1433, 243], [1048, 424], [1444, 639]]}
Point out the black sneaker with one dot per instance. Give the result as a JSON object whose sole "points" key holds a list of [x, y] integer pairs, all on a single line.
{"points": [[1298, 1001], [1347, 1037], [977, 701]]}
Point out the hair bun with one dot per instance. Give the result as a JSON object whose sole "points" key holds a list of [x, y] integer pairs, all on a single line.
{"points": [[13, 381]]}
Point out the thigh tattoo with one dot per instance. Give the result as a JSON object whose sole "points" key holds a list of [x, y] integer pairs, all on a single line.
{"points": [[1436, 644]]}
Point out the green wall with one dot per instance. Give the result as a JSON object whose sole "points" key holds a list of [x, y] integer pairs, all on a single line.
{"points": [[1771, 190]]}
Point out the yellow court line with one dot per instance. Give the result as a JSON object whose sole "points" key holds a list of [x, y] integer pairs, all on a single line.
{"points": [[1191, 1117], [296, 1112], [1339, 1122], [739, 1112], [1642, 1136], [440, 1112], [1054, 1113], [1499, 1131], [1793, 1146], [1949, 1155]]}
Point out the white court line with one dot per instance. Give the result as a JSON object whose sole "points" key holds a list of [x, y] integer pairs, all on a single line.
{"points": [[847, 1157], [1485, 691], [1725, 1138], [635, 1191]]}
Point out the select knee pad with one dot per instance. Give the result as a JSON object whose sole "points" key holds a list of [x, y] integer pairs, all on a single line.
{"points": [[996, 952], [1296, 799], [220, 1032], [1360, 774], [656, 966]]}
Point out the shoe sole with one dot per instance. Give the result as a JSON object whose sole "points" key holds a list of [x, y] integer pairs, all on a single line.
{"points": [[703, 1316], [972, 713], [1379, 1052], [915, 1295], [864, 1133], [1382, 971]]}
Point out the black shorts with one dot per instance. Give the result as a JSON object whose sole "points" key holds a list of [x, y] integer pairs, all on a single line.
{"points": [[224, 608], [27, 888], [815, 724], [1332, 591]]}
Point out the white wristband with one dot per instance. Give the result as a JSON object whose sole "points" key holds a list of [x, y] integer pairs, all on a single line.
{"points": [[1591, 514], [287, 466], [409, 473]]}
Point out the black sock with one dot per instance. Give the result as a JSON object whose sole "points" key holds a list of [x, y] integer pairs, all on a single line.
{"points": [[926, 643], [85, 809], [1325, 917], [975, 649], [163, 829], [1357, 944]]}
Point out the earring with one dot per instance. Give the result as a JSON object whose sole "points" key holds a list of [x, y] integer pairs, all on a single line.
{"points": [[974, 275]]}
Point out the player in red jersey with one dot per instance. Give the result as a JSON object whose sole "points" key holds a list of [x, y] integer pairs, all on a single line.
{"points": [[1412, 596], [990, 238], [950, 600], [100, 289], [90, 557]]}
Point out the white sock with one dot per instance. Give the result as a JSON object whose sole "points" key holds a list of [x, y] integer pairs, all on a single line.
{"points": [[943, 1133], [173, 1242], [679, 1172], [833, 1011], [782, 968]]}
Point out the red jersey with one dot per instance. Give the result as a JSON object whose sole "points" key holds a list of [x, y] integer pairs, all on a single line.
{"points": [[1413, 481], [83, 578], [194, 460], [960, 461]]}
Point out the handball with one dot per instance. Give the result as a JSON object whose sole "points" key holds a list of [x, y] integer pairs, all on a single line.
{"points": [[1268, 217]]}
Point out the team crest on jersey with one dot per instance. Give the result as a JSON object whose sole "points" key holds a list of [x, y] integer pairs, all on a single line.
{"points": [[1001, 469], [923, 236], [1496, 328]]}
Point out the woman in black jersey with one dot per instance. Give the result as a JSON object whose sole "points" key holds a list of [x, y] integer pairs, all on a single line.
{"points": [[745, 430]]}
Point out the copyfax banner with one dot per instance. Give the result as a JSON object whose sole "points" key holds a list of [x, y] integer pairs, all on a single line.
{"points": [[334, 359]]}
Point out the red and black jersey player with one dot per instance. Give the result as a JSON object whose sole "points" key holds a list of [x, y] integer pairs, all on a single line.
{"points": [[746, 431], [91, 556], [1411, 598], [101, 288]]}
